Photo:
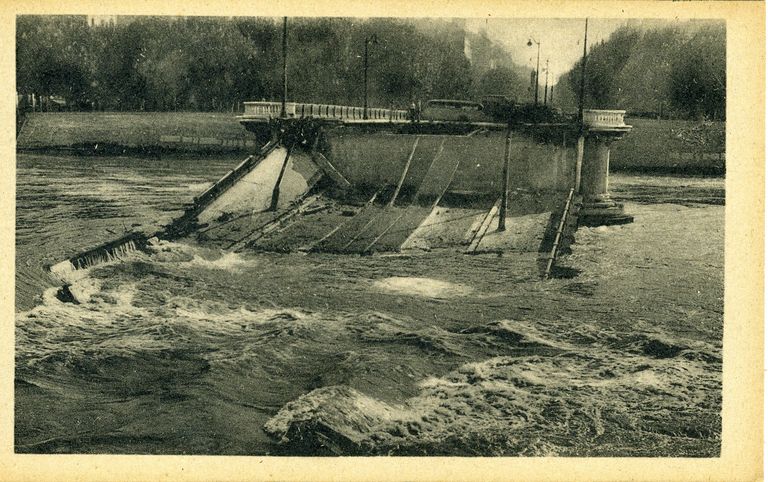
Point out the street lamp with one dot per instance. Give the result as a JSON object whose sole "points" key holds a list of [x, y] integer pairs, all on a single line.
{"points": [[532, 41], [546, 81], [284, 97], [374, 40], [583, 76]]}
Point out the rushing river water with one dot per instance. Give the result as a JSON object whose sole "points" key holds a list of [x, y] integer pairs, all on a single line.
{"points": [[188, 350]]}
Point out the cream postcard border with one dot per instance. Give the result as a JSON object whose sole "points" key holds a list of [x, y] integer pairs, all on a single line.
{"points": [[741, 456]]}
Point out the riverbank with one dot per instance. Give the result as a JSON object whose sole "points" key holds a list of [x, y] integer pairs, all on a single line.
{"points": [[653, 146], [134, 133], [667, 146]]}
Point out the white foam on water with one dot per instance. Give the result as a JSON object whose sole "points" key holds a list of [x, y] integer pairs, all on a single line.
{"points": [[228, 261], [68, 274], [215, 316], [63, 270], [83, 289], [171, 252], [49, 299], [193, 257], [198, 186], [104, 321], [424, 287]]}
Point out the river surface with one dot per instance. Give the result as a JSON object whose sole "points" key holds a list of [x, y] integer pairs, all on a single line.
{"points": [[185, 350]]}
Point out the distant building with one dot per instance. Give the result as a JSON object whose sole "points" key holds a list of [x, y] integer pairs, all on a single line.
{"points": [[109, 20], [101, 20]]}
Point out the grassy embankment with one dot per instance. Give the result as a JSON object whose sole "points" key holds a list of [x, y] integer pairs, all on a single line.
{"points": [[663, 146], [134, 133], [671, 146]]}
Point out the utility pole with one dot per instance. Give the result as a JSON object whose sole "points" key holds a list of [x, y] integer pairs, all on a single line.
{"points": [[285, 67], [580, 144], [505, 181], [371, 39], [583, 76], [531, 41], [546, 82]]}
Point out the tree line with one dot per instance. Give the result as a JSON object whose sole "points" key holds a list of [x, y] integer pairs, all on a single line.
{"points": [[216, 63], [675, 71]]}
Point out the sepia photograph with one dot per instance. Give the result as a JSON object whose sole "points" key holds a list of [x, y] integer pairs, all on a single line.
{"points": [[326, 236]]}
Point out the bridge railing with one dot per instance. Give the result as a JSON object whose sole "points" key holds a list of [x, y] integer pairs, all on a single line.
{"points": [[270, 110]]}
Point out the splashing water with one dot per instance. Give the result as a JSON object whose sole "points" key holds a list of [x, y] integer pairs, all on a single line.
{"points": [[425, 287]]}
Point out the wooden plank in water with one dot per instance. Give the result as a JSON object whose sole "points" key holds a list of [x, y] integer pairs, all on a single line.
{"points": [[368, 225], [407, 222], [379, 226], [350, 231], [478, 236], [328, 168], [322, 244], [393, 227], [429, 151], [405, 171], [432, 190]]}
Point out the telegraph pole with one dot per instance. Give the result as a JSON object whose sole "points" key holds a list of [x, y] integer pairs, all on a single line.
{"points": [[505, 180], [580, 144], [285, 67], [546, 82], [368, 40], [583, 76], [531, 41]]}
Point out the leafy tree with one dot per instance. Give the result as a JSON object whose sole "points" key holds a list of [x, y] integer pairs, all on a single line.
{"points": [[698, 86], [52, 57], [207, 63], [501, 80], [658, 70]]}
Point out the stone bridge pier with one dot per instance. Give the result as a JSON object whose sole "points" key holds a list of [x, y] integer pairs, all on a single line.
{"points": [[601, 129]]}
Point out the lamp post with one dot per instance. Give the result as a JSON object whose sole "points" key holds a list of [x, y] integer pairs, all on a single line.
{"points": [[583, 76], [370, 39], [546, 81], [285, 68], [532, 41], [580, 145]]}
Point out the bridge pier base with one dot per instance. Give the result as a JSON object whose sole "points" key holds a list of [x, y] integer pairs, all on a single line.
{"points": [[603, 128]]}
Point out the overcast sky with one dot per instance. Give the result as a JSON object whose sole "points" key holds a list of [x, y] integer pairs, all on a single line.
{"points": [[561, 39]]}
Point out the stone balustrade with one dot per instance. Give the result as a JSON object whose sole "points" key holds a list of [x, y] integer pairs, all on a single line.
{"points": [[607, 120], [270, 110]]}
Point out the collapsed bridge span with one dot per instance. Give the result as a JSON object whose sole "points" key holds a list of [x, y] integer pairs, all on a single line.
{"points": [[332, 180]]}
